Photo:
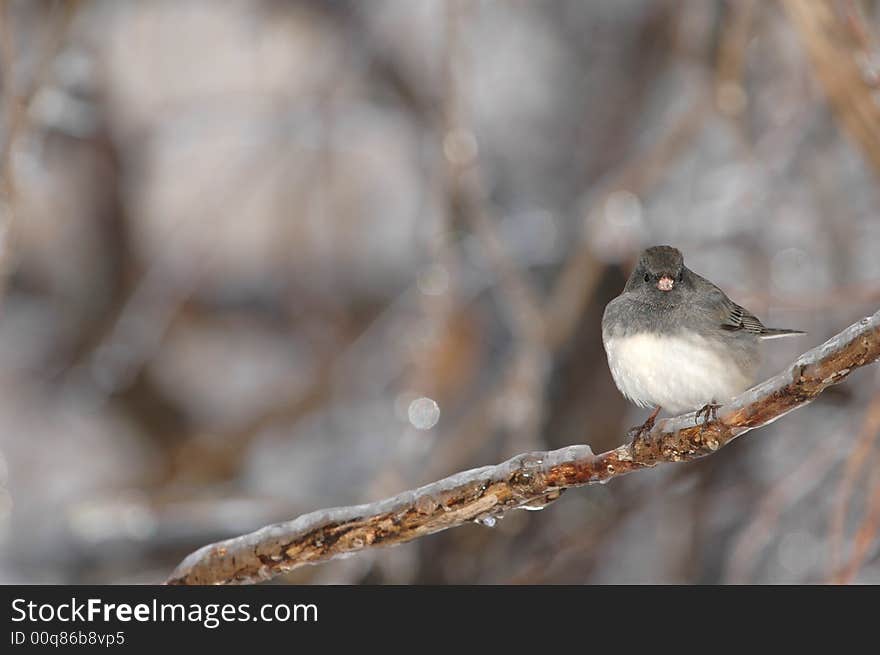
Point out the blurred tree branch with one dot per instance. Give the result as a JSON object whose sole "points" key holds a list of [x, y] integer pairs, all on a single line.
{"points": [[845, 65], [795, 484], [528, 480], [858, 459], [16, 104]]}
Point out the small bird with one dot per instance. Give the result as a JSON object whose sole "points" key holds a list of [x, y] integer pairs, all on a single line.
{"points": [[675, 341]]}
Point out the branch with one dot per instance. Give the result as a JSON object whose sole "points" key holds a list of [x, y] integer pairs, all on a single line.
{"points": [[841, 56], [528, 480], [16, 117]]}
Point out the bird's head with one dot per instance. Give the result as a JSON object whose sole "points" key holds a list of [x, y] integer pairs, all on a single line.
{"points": [[660, 270]]}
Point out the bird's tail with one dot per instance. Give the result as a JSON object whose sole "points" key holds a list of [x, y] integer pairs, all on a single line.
{"points": [[773, 333]]}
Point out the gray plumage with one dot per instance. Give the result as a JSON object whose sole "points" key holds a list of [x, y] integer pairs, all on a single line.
{"points": [[675, 340]]}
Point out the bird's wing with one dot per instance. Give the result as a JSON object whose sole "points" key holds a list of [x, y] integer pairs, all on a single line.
{"points": [[737, 317], [730, 316], [718, 307]]}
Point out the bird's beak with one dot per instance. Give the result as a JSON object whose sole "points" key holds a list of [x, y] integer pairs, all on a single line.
{"points": [[665, 283]]}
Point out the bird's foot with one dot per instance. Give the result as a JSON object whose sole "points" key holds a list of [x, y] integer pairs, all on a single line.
{"points": [[709, 412], [637, 433]]}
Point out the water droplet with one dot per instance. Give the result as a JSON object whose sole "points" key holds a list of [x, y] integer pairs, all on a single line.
{"points": [[423, 413]]}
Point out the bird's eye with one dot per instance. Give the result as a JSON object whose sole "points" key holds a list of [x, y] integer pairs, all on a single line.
{"points": [[647, 277]]}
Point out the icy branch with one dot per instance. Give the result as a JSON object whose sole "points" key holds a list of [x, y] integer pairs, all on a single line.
{"points": [[532, 479]]}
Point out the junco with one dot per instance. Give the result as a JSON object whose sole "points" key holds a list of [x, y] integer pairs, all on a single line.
{"points": [[675, 341]]}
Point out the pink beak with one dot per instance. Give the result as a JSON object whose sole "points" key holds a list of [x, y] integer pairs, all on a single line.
{"points": [[665, 283]]}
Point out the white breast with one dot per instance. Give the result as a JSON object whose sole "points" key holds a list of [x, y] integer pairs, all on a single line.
{"points": [[679, 374]]}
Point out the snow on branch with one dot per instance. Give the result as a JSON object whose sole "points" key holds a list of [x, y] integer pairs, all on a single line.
{"points": [[528, 480]]}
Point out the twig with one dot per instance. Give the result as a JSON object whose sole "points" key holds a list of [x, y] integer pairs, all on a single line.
{"points": [[526, 480], [525, 376], [730, 97], [469, 192], [16, 116], [855, 463], [866, 533], [792, 486], [844, 69]]}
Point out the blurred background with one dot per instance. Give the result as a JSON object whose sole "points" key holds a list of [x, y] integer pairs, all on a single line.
{"points": [[261, 258]]}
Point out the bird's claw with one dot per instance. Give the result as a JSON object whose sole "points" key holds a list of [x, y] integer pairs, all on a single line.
{"points": [[709, 412], [640, 431]]}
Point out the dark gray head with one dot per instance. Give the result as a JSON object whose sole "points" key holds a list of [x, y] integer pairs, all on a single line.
{"points": [[660, 274]]}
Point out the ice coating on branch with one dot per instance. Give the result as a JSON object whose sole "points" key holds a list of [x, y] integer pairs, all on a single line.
{"points": [[424, 500]]}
